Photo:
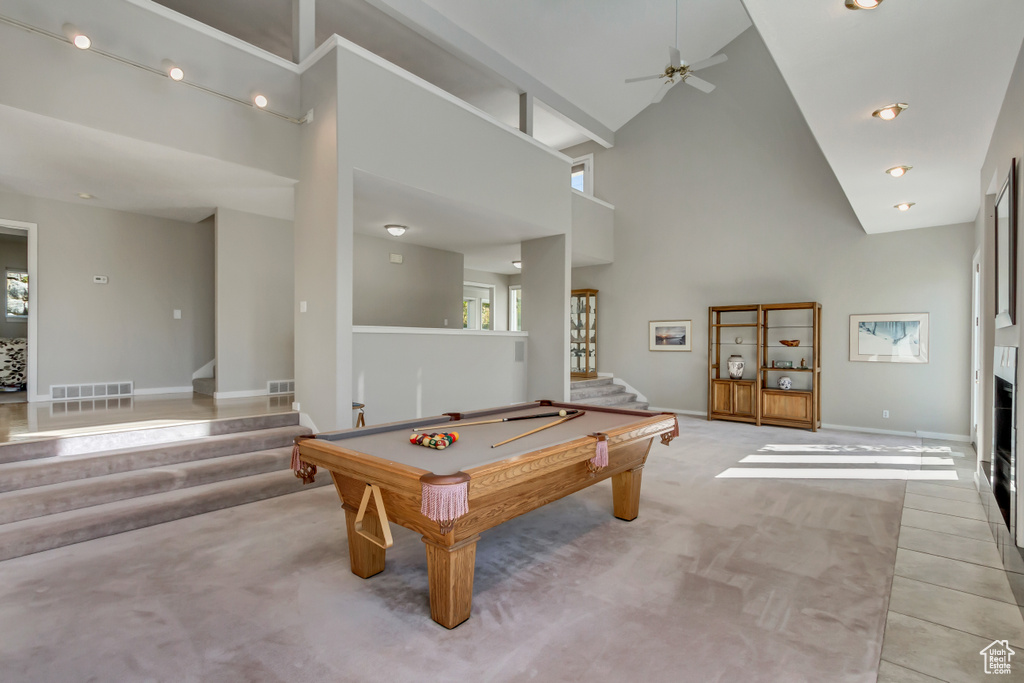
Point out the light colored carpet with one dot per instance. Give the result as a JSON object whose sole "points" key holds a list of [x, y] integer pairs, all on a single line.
{"points": [[717, 580]]}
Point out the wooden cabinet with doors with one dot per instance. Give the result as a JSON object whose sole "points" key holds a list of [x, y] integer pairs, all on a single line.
{"points": [[780, 345], [583, 334]]}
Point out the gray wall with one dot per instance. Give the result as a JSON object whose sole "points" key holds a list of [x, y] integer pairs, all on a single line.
{"points": [[546, 292], [255, 282], [738, 205], [123, 330], [424, 290], [13, 255], [400, 374], [1007, 144]]}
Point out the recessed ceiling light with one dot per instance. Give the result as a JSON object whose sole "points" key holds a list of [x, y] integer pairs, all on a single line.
{"points": [[863, 4], [518, 264], [86, 195], [890, 111], [905, 206], [77, 38], [395, 230], [260, 101], [175, 73], [898, 171]]}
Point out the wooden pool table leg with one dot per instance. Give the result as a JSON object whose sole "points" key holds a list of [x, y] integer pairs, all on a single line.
{"points": [[367, 559], [450, 575], [626, 493]]}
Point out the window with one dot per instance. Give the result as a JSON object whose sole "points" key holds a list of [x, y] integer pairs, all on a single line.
{"points": [[17, 294], [515, 308], [582, 174]]}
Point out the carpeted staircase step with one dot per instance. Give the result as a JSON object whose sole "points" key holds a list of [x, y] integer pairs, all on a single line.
{"points": [[635, 405], [53, 531], [109, 437], [597, 391], [204, 385], [73, 495], [616, 399], [53, 470], [588, 383]]}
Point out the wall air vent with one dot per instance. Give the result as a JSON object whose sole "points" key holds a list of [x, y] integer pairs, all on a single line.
{"points": [[281, 386], [74, 392]]}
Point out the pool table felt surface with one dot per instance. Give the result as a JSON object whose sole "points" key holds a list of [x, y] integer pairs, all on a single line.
{"points": [[473, 448]]}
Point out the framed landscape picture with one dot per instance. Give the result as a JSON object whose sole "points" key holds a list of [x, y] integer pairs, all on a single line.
{"points": [[889, 338], [1006, 250], [670, 335]]}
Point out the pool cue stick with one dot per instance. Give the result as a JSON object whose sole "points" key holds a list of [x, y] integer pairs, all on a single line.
{"points": [[500, 419], [534, 431]]}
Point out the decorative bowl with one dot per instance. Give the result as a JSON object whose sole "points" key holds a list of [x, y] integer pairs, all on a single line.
{"points": [[790, 342]]}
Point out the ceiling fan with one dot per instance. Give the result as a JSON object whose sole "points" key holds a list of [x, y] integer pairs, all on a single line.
{"points": [[678, 68]]}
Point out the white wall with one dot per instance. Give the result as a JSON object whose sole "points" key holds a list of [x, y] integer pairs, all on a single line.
{"points": [[13, 255], [546, 292], [739, 206], [255, 282], [424, 290], [593, 231], [405, 373], [123, 330]]}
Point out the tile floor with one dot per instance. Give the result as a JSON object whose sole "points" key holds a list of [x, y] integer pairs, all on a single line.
{"points": [[948, 589]]}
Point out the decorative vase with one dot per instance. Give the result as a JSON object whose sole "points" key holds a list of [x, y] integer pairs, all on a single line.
{"points": [[736, 366], [785, 383]]}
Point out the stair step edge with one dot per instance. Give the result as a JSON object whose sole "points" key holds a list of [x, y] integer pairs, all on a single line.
{"points": [[38, 534]]}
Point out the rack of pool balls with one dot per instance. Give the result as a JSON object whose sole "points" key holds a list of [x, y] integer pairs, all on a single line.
{"points": [[438, 440]]}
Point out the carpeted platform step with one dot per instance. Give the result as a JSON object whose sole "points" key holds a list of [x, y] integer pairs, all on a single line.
{"points": [[54, 470], [110, 437], [585, 393], [74, 495], [615, 399], [53, 531]]}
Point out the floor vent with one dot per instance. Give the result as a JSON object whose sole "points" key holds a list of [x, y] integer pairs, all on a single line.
{"points": [[283, 386], [74, 392]]}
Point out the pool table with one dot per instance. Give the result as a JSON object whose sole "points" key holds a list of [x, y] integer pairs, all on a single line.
{"points": [[474, 485]]}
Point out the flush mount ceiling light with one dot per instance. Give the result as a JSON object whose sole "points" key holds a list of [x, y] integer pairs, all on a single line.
{"points": [[905, 206], [898, 171], [174, 72], [518, 264], [260, 101], [77, 38], [86, 195], [863, 4], [890, 111], [395, 230]]}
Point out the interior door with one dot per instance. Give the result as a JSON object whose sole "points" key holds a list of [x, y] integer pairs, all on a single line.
{"points": [[976, 351]]}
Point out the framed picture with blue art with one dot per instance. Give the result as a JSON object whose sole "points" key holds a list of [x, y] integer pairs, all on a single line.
{"points": [[889, 338], [669, 335]]}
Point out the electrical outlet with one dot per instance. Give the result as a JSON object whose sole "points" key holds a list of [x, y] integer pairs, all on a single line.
{"points": [[885, 414]]}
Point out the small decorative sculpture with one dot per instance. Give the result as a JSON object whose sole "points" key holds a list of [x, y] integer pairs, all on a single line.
{"points": [[803, 363], [785, 383], [790, 342], [739, 340]]}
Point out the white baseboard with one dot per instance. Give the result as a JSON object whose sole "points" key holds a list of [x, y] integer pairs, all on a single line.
{"points": [[680, 411], [962, 438], [248, 393], [205, 372], [39, 398], [306, 421], [163, 390]]}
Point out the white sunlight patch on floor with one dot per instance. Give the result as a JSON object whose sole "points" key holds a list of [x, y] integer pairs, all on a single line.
{"points": [[867, 459], [835, 473]]}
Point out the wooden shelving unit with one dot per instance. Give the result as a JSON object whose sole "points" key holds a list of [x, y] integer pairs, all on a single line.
{"points": [[758, 397], [734, 399]]}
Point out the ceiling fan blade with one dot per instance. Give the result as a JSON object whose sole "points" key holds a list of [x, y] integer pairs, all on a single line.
{"points": [[674, 57], [717, 59], [660, 95], [644, 78], [699, 84]]}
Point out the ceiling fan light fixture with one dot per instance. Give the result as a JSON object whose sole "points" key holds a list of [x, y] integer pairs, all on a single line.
{"points": [[898, 171], [905, 206], [890, 111], [395, 230], [863, 4]]}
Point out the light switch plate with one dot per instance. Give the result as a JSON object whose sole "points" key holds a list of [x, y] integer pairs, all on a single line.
{"points": [[177, 314], [99, 279], [396, 258]]}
